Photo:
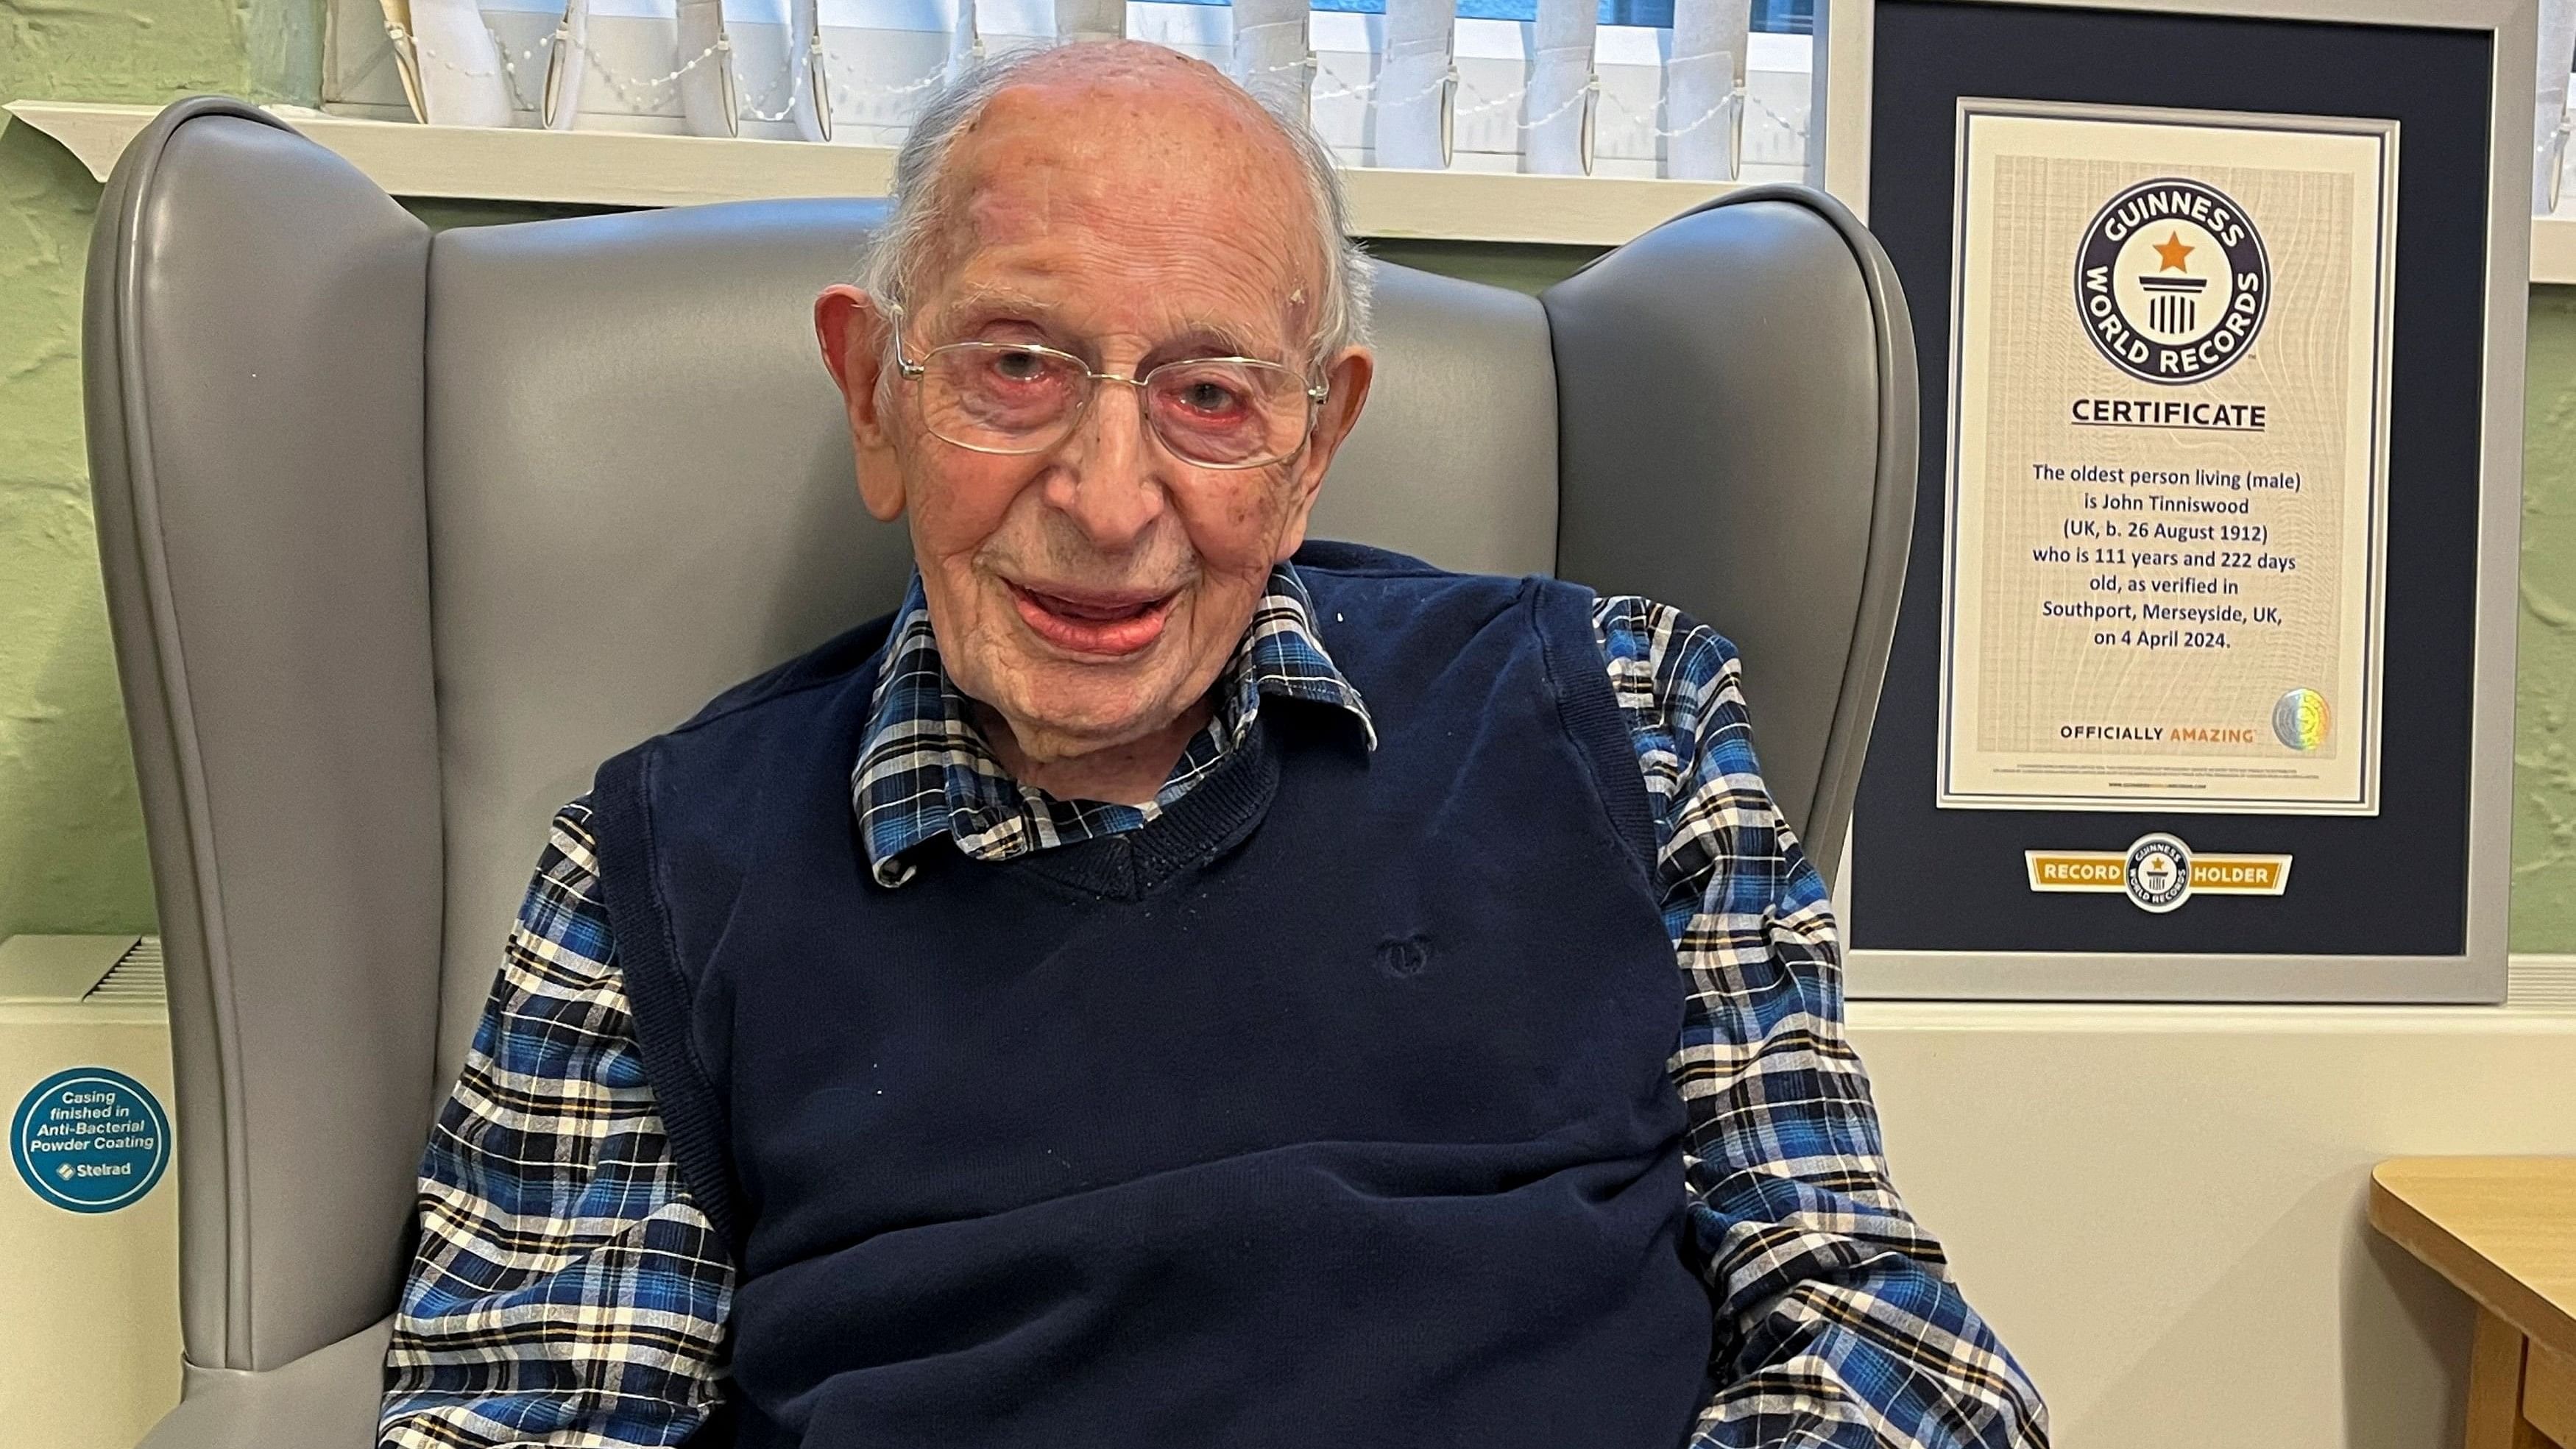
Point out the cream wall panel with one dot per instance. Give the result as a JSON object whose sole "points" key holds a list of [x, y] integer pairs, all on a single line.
{"points": [[2161, 1209]]}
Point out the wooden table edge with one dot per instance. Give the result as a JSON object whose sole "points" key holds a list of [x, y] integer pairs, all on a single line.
{"points": [[2467, 1269]]}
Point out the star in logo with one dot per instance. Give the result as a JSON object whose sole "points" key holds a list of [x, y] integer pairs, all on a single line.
{"points": [[2173, 249]]}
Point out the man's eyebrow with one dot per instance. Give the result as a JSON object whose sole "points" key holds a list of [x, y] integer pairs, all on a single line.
{"points": [[985, 303], [1196, 336], [1208, 337]]}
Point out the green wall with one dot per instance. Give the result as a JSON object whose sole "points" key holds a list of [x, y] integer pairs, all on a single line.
{"points": [[71, 839], [2544, 755]]}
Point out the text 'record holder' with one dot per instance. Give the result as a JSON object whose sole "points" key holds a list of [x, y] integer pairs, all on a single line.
{"points": [[2203, 678]]}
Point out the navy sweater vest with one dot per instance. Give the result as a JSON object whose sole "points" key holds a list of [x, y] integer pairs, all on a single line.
{"points": [[1329, 1109]]}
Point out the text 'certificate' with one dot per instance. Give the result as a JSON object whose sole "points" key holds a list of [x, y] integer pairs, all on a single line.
{"points": [[2166, 495]]}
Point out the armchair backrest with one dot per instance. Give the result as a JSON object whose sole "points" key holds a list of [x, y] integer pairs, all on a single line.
{"points": [[403, 533]]}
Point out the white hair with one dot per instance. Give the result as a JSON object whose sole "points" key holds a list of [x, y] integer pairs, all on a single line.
{"points": [[903, 246]]}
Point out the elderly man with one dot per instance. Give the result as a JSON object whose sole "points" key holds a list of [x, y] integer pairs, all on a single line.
{"points": [[1148, 991]]}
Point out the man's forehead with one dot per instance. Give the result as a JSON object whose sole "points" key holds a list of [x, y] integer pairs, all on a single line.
{"points": [[1136, 78], [1051, 154], [1196, 221]]}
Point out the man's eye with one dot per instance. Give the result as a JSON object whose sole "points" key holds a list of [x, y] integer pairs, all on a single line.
{"points": [[1019, 366], [1204, 396]]}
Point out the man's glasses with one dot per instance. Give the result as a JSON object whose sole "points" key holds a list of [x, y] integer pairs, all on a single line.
{"points": [[1018, 397]]}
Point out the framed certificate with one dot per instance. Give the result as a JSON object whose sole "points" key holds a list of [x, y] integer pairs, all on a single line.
{"points": [[2164, 586], [2202, 684]]}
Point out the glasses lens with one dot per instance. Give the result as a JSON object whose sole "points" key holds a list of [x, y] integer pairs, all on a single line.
{"points": [[998, 397], [1227, 413]]}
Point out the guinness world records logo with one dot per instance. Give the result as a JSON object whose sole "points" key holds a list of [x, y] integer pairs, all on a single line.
{"points": [[2158, 874], [2171, 281]]}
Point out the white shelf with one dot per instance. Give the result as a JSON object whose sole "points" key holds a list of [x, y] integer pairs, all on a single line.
{"points": [[2553, 248], [629, 168], [635, 168]]}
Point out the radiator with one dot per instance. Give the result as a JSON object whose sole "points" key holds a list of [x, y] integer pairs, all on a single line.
{"points": [[89, 1200]]}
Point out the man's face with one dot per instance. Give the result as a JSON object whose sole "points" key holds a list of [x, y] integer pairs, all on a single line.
{"points": [[1090, 594]]}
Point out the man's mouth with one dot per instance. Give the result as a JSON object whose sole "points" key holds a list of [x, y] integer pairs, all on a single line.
{"points": [[1084, 621]]}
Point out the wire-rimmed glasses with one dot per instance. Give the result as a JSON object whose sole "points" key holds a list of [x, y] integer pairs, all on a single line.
{"points": [[1020, 397]]}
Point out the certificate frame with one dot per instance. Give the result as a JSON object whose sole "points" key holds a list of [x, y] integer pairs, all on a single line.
{"points": [[2099, 947], [2375, 301]]}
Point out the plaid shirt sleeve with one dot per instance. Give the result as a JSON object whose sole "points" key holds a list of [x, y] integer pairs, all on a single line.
{"points": [[566, 1291], [1837, 1320]]}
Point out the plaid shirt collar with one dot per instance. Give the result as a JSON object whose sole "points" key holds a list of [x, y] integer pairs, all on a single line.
{"points": [[924, 771]]}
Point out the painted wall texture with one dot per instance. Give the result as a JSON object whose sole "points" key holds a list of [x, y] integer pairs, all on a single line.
{"points": [[71, 841], [71, 838], [2544, 756]]}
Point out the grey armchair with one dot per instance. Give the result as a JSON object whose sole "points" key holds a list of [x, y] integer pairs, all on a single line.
{"points": [[404, 532]]}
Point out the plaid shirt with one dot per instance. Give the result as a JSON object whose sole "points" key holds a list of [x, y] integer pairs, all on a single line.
{"points": [[567, 1291]]}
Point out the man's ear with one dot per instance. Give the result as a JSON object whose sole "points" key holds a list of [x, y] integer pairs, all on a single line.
{"points": [[856, 335], [1347, 384]]}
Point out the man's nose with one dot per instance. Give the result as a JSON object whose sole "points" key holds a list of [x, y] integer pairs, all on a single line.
{"points": [[1106, 474]]}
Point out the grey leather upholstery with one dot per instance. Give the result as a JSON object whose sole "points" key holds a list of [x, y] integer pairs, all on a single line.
{"points": [[1744, 377], [253, 357], [404, 533]]}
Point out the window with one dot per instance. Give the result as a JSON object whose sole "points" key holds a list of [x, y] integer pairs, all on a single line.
{"points": [[1632, 110]]}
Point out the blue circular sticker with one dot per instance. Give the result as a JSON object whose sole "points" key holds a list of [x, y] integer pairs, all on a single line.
{"points": [[90, 1140]]}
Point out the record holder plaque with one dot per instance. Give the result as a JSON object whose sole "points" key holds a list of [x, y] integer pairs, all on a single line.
{"points": [[2202, 685]]}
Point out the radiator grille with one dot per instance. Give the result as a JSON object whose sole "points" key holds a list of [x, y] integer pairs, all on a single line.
{"points": [[135, 979], [2542, 983]]}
